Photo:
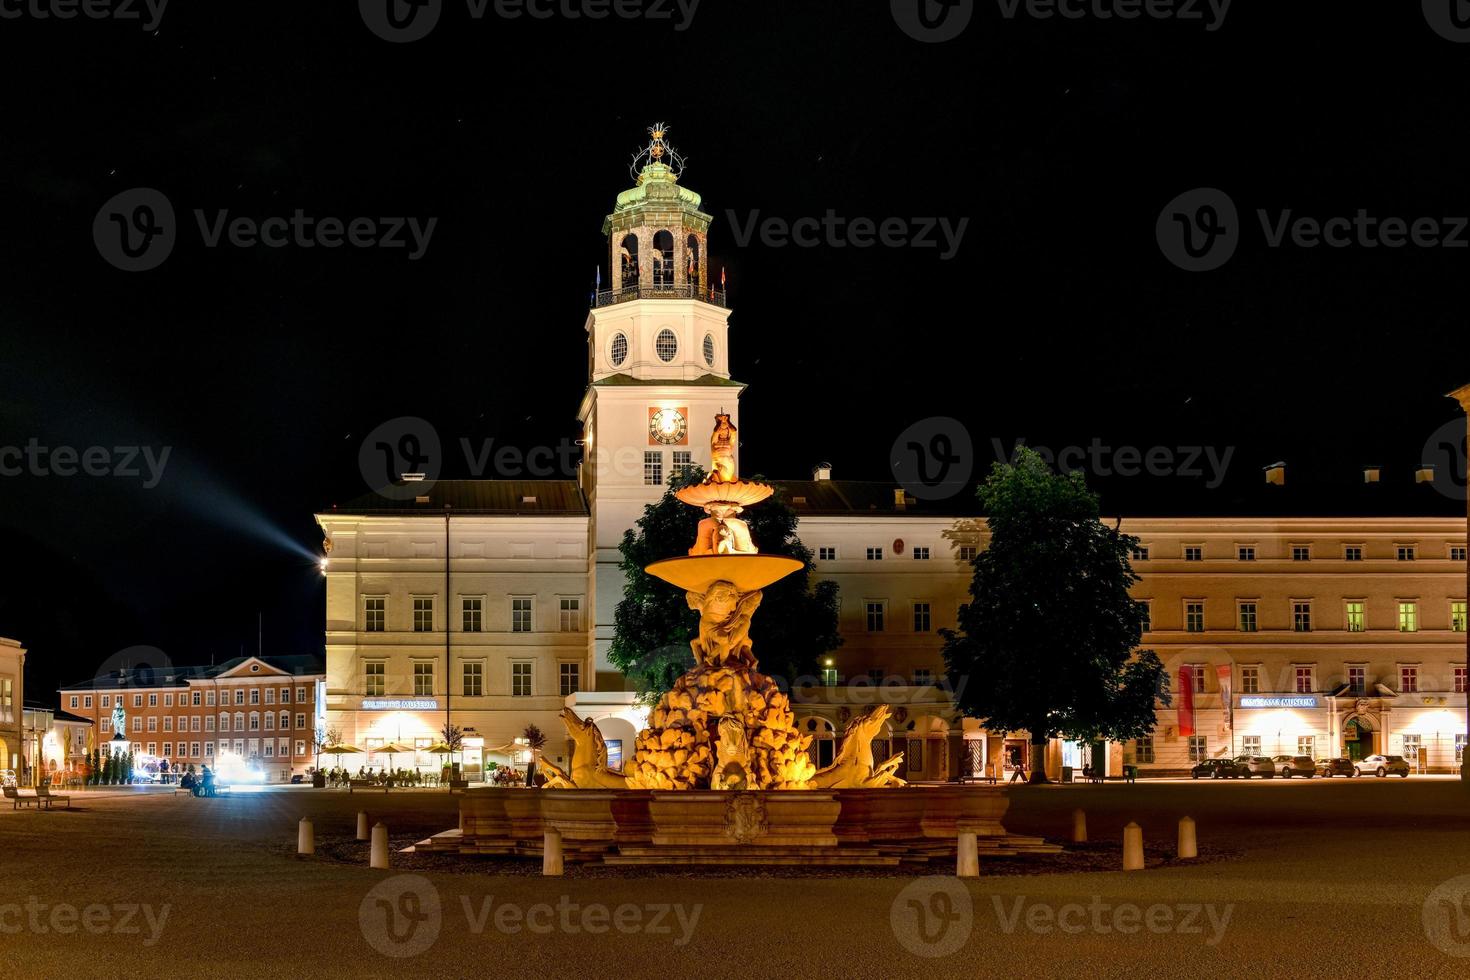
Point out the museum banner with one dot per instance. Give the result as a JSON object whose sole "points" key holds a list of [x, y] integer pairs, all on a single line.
{"points": [[1186, 700]]}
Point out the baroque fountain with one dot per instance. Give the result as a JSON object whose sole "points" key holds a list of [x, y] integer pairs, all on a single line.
{"points": [[722, 775]]}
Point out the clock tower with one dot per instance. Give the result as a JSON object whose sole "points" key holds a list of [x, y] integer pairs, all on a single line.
{"points": [[658, 367]]}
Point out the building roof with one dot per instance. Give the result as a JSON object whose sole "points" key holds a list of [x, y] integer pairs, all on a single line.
{"points": [[627, 380], [850, 498], [515, 498], [160, 677]]}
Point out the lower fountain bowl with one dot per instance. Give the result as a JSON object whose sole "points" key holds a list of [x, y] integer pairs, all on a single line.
{"points": [[696, 573]]}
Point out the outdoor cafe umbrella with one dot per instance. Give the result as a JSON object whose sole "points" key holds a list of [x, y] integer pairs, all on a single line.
{"points": [[392, 749], [440, 749], [340, 750]]}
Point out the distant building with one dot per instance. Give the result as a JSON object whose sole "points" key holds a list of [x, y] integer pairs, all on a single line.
{"points": [[12, 699]]}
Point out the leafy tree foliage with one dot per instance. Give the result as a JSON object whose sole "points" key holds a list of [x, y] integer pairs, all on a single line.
{"points": [[1049, 640]]}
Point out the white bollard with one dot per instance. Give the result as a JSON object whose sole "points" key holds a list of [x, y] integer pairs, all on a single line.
{"points": [[1079, 827], [967, 861], [305, 838], [1188, 844], [362, 825], [379, 857], [551, 859], [1132, 847]]}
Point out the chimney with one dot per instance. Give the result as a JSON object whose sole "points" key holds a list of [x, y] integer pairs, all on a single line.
{"points": [[822, 471], [1276, 474], [411, 477], [1372, 474], [900, 499], [1425, 473]]}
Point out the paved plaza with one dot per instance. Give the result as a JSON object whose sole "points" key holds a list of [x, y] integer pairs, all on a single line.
{"points": [[1303, 878]]}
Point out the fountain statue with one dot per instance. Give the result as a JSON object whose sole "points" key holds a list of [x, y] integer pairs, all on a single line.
{"points": [[725, 725]]}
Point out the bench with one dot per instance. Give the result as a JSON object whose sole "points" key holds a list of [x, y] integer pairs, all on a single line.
{"points": [[17, 800], [353, 784], [43, 792]]}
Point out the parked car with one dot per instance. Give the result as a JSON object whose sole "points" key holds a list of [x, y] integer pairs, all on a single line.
{"points": [[1256, 765], [1328, 768], [1219, 769], [1294, 765], [1382, 765]]}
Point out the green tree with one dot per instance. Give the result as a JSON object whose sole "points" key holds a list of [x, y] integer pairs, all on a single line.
{"points": [[1049, 640], [796, 625]]}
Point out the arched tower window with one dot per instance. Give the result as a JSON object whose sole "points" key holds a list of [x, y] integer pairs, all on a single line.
{"points": [[692, 274], [628, 258], [663, 260]]}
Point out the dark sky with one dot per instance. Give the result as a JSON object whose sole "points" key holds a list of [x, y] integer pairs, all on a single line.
{"points": [[261, 370]]}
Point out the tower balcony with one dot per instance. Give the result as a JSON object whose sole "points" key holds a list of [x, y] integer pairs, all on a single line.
{"points": [[612, 297]]}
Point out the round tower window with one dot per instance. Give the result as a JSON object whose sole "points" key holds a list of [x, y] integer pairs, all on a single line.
{"points": [[666, 344], [709, 349], [619, 350]]}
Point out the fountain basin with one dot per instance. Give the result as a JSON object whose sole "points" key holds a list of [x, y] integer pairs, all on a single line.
{"points": [[748, 573]]}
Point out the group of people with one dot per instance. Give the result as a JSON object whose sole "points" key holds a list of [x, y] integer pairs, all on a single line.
{"points": [[200, 785], [340, 777]]}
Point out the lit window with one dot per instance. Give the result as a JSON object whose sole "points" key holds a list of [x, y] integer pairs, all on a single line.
{"points": [[423, 680], [921, 617], [1301, 617], [1304, 680], [653, 469], [375, 614], [374, 676], [474, 615], [571, 614], [571, 678], [423, 614], [1306, 745], [1199, 748], [1408, 617], [520, 680], [875, 617], [1408, 679], [1457, 616], [520, 614], [1194, 617], [921, 554], [1355, 617], [1247, 617]]}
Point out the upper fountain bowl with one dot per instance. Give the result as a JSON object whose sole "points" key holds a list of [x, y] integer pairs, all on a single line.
{"points": [[740, 494]]}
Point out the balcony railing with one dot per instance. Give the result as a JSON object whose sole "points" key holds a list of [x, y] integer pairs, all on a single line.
{"points": [[611, 297]]}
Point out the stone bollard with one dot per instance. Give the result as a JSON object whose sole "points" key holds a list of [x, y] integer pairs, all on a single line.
{"points": [[967, 859], [362, 825], [1132, 847], [379, 857], [305, 838], [551, 859], [1188, 844], [1079, 827]]}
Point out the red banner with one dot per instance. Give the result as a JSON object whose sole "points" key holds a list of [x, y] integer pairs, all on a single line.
{"points": [[1186, 700]]}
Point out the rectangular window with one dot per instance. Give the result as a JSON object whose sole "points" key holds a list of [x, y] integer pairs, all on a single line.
{"points": [[1304, 680], [923, 677], [73, 701], [1143, 752], [300, 721], [1352, 552], [1306, 745], [195, 701], [827, 554], [1146, 615], [1140, 553], [1199, 748], [153, 700], [571, 678], [875, 617], [474, 615], [875, 554], [571, 614], [1246, 553], [1457, 553], [286, 695], [1355, 618], [1408, 679], [270, 721], [168, 701], [254, 721], [137, 701], [423, 680], [107, 700], [1194, 552], [829, 676], [653, 469], [1250, 680], [270, 695], [1411, 749], [423, 614], [1199, 677], [209, 723], [520, 679], [1250, 744], [1406, 552], [168, 723], [1194, 617], [300, 695], [520, 614], [209, 750], [921, 617], [193, 750], [474, 680], [152, 748], [1301, 617], [875, 676], [1301, 552], [300, 748], [1408, 617], [921, 554], [209, 698], [683, 460], [193, 723], [255, 695], [1457, 616], [374, 679], [374, 614], [968, 552], [1357, 679], [152, 724], [1247, 617]]}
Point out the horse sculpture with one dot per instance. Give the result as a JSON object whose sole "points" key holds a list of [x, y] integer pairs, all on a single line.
{"points": [[853, 768], [589, 759]]}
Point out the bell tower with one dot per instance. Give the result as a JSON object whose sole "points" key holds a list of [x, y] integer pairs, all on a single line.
{"points": [[658, 366]]}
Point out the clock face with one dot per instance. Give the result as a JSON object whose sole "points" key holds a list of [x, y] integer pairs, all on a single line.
{"points": [[667, 427]]}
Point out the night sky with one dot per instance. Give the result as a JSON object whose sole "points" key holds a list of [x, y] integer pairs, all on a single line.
{"points": [[1059, 319]]}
